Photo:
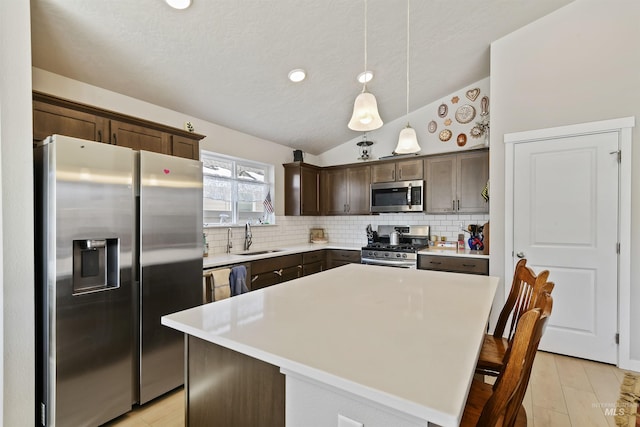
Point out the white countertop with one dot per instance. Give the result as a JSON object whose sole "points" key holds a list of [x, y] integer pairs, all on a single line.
{"points": [[238, 258], [407, 339], [467, 253]]}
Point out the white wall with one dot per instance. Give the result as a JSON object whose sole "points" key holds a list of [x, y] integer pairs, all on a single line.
{"points": [[579, 64], [386, 138], [17, 350], [217, 138]]}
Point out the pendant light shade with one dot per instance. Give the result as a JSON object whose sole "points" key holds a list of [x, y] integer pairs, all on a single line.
{"points": [[365, 115], [408, 140]]}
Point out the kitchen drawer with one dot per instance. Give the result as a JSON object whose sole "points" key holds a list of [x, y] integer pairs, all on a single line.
{"points": [[454, 264], [314, 256], [338, 257], [275, 263]]}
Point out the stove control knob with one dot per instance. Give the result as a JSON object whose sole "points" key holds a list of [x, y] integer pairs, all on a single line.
{"points": [[374, 254], [404, 255], [386, 254], [398, 255]]}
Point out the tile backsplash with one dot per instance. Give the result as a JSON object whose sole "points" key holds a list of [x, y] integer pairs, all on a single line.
{"points": [[341, 230]]}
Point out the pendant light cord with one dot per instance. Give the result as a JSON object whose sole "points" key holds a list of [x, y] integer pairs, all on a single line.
{"points": [[408, 6], [364, 86]]}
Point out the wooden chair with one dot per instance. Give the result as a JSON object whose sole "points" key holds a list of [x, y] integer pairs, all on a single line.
{"points": [[500, 405], [525, 289]]}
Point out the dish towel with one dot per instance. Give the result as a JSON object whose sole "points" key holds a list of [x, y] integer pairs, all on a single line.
{"points": [[221, 288], [238, 280]]}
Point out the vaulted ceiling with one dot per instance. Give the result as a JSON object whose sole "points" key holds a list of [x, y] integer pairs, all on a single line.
{"points": [[226, 61]]}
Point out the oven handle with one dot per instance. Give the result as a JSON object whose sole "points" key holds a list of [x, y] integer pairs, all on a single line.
{"points": [[392, 263]]}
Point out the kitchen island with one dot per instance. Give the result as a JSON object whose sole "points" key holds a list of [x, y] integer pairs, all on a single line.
{"points": [[378, 345]]}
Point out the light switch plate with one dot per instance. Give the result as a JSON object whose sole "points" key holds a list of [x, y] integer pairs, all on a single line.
{"points": [[348, 422]]}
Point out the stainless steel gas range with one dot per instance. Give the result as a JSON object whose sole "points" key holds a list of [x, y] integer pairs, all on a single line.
{"points": [[396, 245]]}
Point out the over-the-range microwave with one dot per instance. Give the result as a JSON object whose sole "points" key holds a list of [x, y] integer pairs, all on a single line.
{"points": [[398, 196]]}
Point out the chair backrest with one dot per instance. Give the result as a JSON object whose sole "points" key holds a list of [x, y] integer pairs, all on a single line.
{"points": [[544, 303], [525, 289], [502, 407]]}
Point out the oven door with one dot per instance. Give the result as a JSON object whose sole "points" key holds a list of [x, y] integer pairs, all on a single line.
{"points": [[390, 263]]}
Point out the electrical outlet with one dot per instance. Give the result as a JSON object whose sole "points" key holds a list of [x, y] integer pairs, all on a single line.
{"points": [[348, 422]]}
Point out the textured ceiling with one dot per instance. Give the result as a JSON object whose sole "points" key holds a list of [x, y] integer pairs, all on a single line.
{"points": [[226, 61]]}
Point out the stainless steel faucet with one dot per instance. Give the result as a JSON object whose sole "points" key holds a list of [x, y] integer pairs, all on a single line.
{"points": [[229, 242], [247, 236]]}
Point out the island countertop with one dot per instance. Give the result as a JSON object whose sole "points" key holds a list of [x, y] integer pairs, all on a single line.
{"points": [[407, 339]]}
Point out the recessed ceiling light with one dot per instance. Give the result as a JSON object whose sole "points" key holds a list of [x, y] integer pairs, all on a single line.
{"points": [[179, 4], [365, 76], [297, 75]]}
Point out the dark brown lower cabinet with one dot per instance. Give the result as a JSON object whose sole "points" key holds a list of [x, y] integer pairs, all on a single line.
{"points": [[338, 257], [454, 264], [271, 271], [226, 388]]}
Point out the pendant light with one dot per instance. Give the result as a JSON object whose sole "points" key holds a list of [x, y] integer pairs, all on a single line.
{"points": [[408, 140], [365, 108]]}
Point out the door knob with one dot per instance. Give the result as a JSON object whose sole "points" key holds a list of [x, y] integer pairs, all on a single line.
{"points": [[520, 254]]}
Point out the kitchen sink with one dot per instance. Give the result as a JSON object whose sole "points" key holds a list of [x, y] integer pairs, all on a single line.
{"points": [[261, 252]]}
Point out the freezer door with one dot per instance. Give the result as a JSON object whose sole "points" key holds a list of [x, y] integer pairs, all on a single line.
{"points": [[170, 264], [86, 218]]}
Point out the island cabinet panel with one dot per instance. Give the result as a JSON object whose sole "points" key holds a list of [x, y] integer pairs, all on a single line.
{"points": [[346, 190], [54, 119], [406, 170], [311, 403], [454, 264], [313, 262], [339, 257], [301, 189], [226, 388], [271, 271], [455, 182]]}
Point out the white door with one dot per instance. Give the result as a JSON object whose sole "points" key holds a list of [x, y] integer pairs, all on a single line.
{"points": [[565, 220]]}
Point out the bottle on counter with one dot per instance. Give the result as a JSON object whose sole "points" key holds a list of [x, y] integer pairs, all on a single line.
{"points": [[205, 246]]}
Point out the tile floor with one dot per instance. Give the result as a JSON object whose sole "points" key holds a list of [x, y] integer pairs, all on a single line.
{"points": [[563, 392]]}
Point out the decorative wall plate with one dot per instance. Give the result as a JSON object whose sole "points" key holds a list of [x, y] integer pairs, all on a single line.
{"points": [[484, 106], [465, 113], [475, 132], [461, 140], [443, 110], [472, 94], [455, 100], [432, 126], [447, 122], [445, 135]]}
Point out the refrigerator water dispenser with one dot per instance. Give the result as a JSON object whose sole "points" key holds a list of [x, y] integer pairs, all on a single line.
{"points": [[95, 265]]}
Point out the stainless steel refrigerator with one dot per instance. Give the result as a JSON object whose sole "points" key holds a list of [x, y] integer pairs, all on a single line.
{"points": [[118, 244]]}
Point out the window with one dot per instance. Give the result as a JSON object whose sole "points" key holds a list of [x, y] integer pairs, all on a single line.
{"points": [[236, 191]]}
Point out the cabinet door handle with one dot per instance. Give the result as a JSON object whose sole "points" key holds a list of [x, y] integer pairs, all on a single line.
{"points": [[400, 173], [458, 204], [115, 139], [434, 263], [468, 265], [254, 278], [99, 135], [278, 272], [453, 205], [393, 175]]}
